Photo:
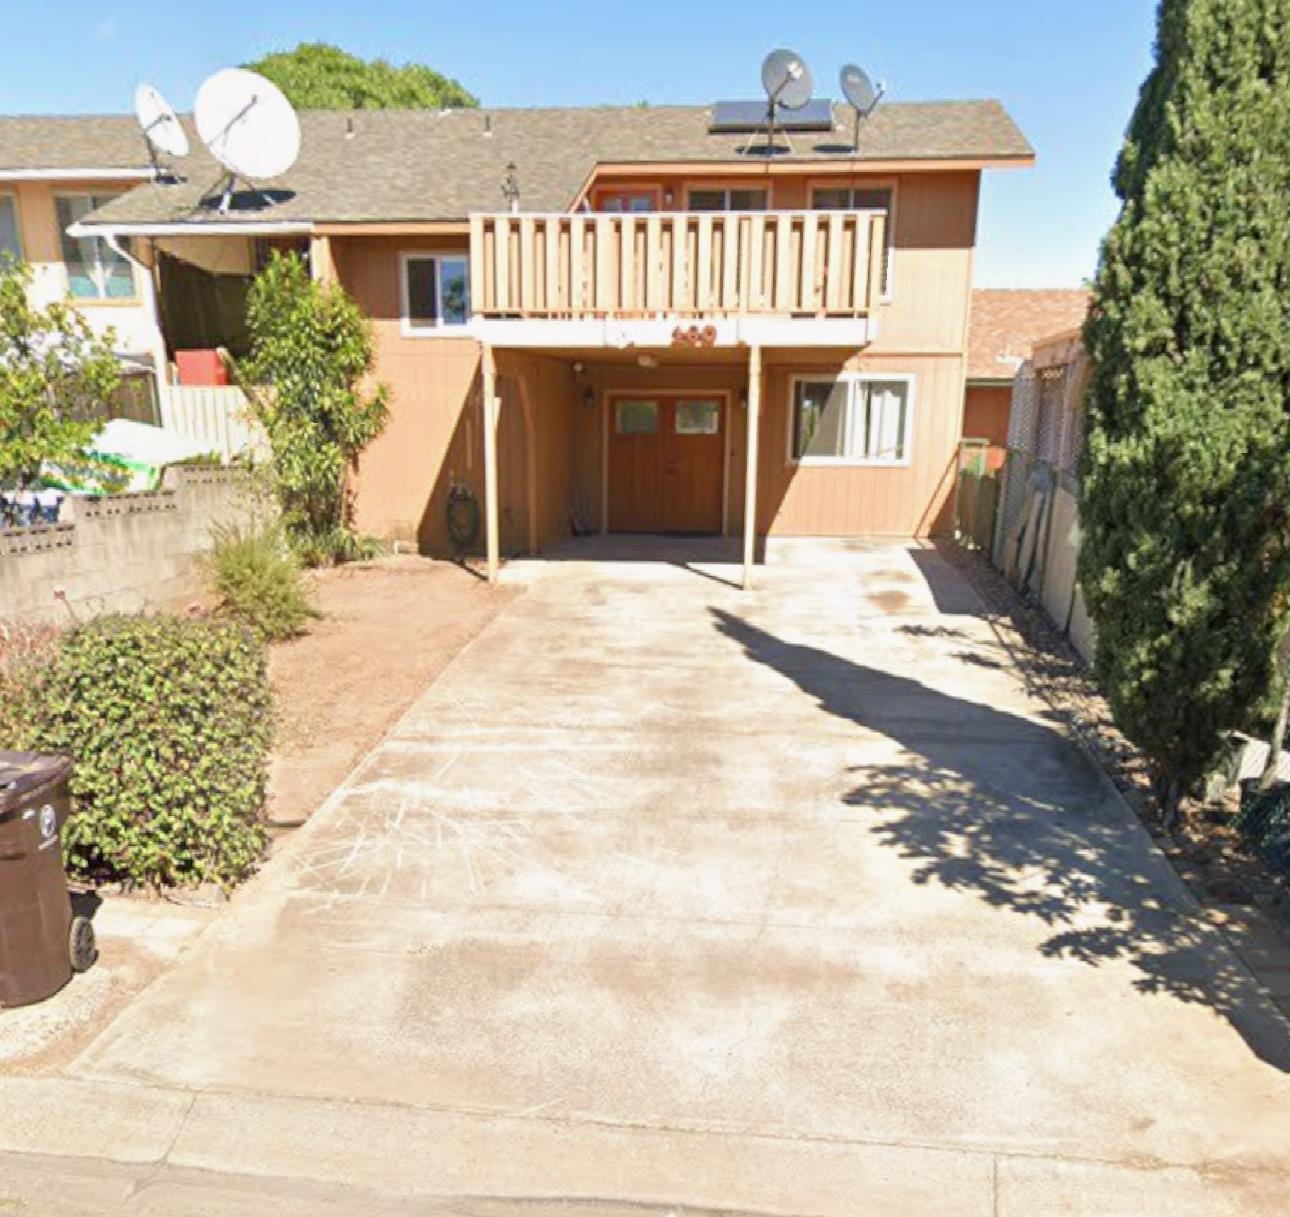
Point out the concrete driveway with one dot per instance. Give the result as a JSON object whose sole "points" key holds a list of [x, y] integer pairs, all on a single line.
{"points": [[665, 894]]}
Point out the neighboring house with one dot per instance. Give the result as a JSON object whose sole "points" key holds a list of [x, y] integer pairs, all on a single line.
{"points": [[1003, 328], [663, 328], [53, 172]]}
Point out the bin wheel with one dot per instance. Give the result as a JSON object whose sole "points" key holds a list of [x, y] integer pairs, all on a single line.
{"points": [[81, 944]]}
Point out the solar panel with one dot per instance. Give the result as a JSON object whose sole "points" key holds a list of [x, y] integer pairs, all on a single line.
{"points": [[733, 116]]}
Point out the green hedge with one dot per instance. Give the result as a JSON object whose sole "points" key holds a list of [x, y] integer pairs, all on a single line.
{"points": [[169, 721]]}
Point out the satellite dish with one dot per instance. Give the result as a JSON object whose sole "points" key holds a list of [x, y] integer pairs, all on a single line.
{"points": [[162, 130], [786, 79], [160, 123], [248, 125], [859, 90]]}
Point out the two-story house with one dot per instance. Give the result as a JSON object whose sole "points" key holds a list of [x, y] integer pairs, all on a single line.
{"points": [[635, 319], [53, 172]]}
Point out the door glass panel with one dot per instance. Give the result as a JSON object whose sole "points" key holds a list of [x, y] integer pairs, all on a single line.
{"points": [[697, 418], [636, 417]]}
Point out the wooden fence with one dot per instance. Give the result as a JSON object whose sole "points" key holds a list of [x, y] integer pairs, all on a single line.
{"points": [[1037, 537], [218, 417], [699, 264]]}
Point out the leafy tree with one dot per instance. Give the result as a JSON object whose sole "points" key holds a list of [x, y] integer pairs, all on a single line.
{"points": [[1186, 556], [317, 76], [311, 348], [55, 379]]}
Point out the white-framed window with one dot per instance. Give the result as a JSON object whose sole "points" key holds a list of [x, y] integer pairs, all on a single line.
{"points": [[10, 235], [862, 198], [436, 292], [95, 271], [732, 198], [853, 419]]}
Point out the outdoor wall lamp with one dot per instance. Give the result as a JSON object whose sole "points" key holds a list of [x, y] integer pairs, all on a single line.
{"points": [[589, 398], [511, 187]]}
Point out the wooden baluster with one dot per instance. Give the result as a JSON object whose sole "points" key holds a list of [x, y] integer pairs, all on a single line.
{"points": [[578, 302]]}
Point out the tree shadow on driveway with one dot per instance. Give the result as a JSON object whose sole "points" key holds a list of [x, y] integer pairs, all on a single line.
{"points": [[1009, 810]]}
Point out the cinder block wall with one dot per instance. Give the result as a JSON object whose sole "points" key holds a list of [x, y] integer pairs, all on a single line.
{"points": [[125, 553]]}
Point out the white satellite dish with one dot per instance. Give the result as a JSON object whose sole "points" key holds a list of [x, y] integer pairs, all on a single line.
{"points": [[248, 125], [161, 126], [861, 92]]}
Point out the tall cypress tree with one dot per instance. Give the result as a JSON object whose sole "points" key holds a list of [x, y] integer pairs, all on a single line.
{"points": [[1185, 563]]}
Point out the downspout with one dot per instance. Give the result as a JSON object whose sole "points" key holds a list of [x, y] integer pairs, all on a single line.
{"points": [[162, 377]]}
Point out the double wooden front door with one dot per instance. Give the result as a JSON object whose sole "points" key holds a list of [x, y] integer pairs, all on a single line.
{"points": [[666, 463]]}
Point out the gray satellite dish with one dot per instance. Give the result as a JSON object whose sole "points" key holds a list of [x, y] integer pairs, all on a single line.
{"points": [[786, 79], [248, 125], [160, 124], [859, 90]]}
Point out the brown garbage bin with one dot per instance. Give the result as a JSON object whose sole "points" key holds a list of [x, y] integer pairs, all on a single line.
{"points": [[41, 942]]}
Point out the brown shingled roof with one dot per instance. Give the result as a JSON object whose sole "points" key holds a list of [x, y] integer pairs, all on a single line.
{"points": [[1006, 323], [71, 141], [413, 165]]}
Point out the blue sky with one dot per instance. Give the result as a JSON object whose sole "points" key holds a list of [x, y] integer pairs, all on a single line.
{"points": [[1068, 72]]}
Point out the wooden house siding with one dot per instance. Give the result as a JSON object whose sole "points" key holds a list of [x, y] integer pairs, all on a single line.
{"points": [[435, 432]]}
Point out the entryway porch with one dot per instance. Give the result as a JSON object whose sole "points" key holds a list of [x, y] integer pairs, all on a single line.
{"points": [[638, 442]]}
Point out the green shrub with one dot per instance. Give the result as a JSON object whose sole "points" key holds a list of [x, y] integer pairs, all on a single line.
{"points": [[169, 721], [259, 581], [27, 658], [334, 546], [307, 378]]}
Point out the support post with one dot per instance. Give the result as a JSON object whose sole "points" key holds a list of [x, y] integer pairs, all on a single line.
{"points": [[530, 463], [492, 408], [322, 265], [750, 473], [606, 421]]}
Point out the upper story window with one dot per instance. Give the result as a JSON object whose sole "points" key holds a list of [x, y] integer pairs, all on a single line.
{"points": [[95, 271], [860, 198], [10, 241], [736, 198], [853, 420], [851, 198], [619, 202], [436, 292]]}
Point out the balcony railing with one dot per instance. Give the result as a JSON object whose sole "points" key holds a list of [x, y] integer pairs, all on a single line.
{"points": [[678, 264]]}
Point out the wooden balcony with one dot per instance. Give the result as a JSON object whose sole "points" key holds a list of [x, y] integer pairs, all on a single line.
{"points": [[678, 265]]}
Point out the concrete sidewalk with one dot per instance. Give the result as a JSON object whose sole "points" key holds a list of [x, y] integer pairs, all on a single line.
{"points": [[665, 895]]}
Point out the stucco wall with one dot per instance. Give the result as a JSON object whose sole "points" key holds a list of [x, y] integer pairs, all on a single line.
{"points": [[133, 321], [125, 553]]}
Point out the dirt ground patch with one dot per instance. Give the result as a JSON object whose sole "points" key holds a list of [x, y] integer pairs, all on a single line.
{"points": [[386, 629]]}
